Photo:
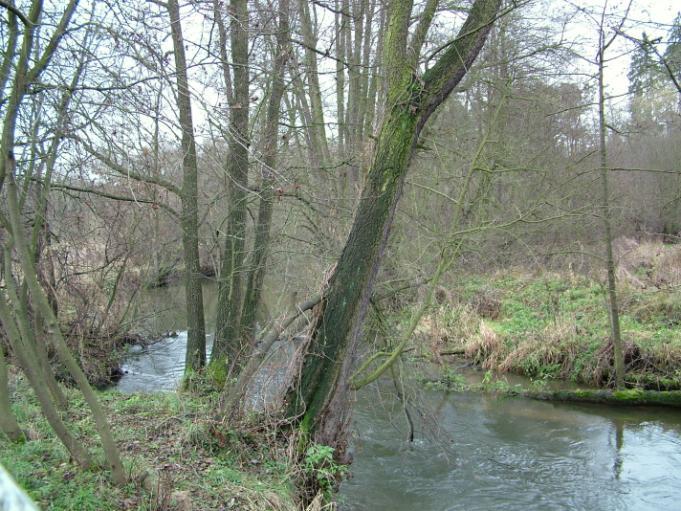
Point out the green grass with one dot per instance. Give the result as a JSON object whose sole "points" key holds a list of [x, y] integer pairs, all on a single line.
{"points": [[167, 434], [554, 326]]}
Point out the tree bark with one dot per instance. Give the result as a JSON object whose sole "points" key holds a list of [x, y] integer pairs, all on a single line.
{"points": [[8, 423], [261, 244], [229, 345], [195, 357], [613, 308], [321, 400]]}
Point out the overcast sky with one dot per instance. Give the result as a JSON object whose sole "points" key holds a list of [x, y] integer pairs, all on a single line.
{"points": [[655, 17], [652, 16]]}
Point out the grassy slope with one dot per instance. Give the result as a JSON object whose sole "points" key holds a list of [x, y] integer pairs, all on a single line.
{"points": [[197, 459], [553, 326]]}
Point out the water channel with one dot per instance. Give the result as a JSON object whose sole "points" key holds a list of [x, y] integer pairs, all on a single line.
{"points": [[474, 451]]}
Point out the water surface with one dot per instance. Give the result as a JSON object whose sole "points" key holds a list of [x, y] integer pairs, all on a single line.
{"points": [[478, 452], [475, 451]]}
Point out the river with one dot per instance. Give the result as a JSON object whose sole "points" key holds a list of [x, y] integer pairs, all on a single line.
{"points": [[474, 451]]}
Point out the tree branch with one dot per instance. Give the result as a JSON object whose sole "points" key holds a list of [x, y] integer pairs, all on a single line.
{"points": [[16, 12], [440, 80], [112, 196], [124, 171]]}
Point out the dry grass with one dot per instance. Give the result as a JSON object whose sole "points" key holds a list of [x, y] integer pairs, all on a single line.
{"points": [[555, 347], [485, 348], [556, 326], [648, 263]]}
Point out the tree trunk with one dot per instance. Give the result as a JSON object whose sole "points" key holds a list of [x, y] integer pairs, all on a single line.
{"points": [[269, 161], [321, 400], [196, 328], [613, 309], [372, 94], [8, 423], [339, 22], [318, 128], [629, 397], [229, 345]]}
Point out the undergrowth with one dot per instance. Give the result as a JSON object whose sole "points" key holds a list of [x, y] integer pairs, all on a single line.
{"points": [[554, 326], [199, 463]]}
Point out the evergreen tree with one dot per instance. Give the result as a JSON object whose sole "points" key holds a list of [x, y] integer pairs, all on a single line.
{"points": [[644, 70], [651, 99], [672, 54]]}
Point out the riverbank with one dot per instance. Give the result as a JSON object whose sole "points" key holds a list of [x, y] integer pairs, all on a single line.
{"points": [[555, 327], [177, 457]]}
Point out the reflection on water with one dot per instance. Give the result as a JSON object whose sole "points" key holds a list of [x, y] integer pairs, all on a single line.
{"points": [[482, 452], [472, 451], [162, 309]]}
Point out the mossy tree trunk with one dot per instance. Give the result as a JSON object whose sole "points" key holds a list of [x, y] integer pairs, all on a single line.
{"points": [[229, 345], [321, 400], [626, 397], [8, 423], [189, 218]]}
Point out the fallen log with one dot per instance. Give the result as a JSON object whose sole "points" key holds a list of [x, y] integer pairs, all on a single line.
{"points": [[628, 397]]}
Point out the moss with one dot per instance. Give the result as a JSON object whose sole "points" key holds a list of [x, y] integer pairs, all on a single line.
{"points": [[217, 372], [628, 397]]}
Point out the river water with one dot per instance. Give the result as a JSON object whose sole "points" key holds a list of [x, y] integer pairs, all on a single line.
{"points": [[475, 451]]}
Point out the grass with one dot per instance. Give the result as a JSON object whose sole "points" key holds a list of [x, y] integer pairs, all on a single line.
{"points": [[200, 462], [554, 326]]}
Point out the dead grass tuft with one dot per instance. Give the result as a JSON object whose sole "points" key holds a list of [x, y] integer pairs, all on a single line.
{"points": [[554, 350], [485, 347], [487, 303], [648, 263]]}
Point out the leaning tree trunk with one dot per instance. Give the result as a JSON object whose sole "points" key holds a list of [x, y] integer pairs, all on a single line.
{"points": [[43, 308], [321, 400], [33, 373]]}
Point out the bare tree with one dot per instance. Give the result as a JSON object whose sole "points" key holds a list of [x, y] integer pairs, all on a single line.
{"points": [[229, 344], [320, 401], [196, 327]]}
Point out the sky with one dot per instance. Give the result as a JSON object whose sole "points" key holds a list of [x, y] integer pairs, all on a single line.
{"points": [[652, 16]]}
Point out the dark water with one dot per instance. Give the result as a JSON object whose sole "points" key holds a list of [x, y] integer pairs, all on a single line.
{"points": [[478, 452]]}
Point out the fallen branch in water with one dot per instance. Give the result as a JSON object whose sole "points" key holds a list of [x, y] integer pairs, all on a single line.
{"points": [[234, 396]]}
